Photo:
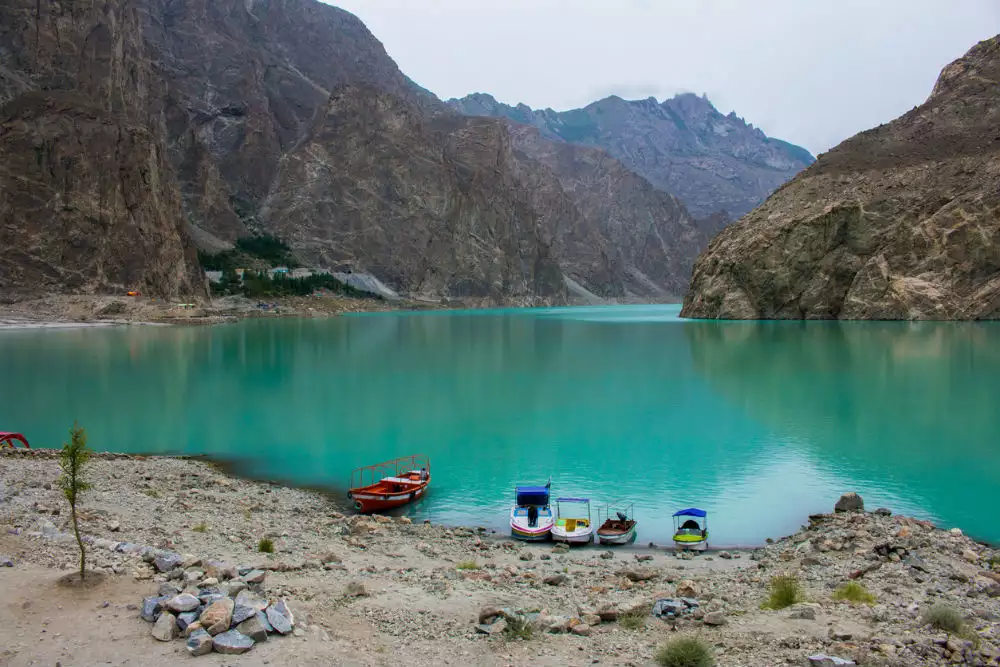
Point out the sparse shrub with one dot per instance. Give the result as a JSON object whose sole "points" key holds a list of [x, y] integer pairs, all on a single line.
{"points": [[685, 652], [518, 627], [266, 545], [152, 493], [944, 617], [72, 459], [785, 591], [994, 562], [468, 565], [852, 591], [200, 528], [634, 619]]}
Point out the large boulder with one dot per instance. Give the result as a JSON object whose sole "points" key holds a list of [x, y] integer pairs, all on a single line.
{"points": [[850, 502], [217, 616]]}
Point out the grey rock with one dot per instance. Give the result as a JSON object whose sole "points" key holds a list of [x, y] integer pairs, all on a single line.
{"points": [[199, 643], [166, 562], [250, 599], [186, 619], [232, 642], [803, 611], [151, 607], [883, 511], [915, 562], [824, 660], [494, 628], [673, 607], [242, 613], [607, 555], [526, 555], [255, 577], [280, 617], [850, 502], [168, 589], [219, 570], [6, 561], [555, 579], [183, 602], [639, 573], [725, 555], [254, 628], [165, 627], [234, 587], [279, 622], [715, 618]]}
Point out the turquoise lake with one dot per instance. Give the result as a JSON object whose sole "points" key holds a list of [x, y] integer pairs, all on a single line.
{"points": [[760, 423]]}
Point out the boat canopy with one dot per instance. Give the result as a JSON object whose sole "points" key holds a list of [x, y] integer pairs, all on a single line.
{"points": [[532, 495], [572, 500], [692, 511]]}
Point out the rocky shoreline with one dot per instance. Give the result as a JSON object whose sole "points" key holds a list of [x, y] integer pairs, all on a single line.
{"points": [[375, 590]]}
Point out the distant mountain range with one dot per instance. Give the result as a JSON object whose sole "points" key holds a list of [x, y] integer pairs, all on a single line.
{"points": [[683, 146]]}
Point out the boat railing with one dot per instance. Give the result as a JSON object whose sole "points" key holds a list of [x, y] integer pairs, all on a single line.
{"points": [[368, 475], [625, 507]]}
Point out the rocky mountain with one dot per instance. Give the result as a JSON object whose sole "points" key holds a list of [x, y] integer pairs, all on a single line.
{"points": [[196, 122], [88, 200], [624, 238], [898, 222], [710, 161]]}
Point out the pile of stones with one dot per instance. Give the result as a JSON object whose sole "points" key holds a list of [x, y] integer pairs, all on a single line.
{"points": [[213, 606]]}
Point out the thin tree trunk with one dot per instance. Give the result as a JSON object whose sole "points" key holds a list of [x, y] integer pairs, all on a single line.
{"points": [[79, 542]]}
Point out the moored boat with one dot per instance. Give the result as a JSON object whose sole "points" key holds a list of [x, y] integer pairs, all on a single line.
{"points": [[571, 526], [10, 440], [619, 527], [395, 483], [692, 534], [531, 516]]}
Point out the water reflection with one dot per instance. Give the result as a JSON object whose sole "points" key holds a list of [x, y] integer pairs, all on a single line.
{"points": [[904, 408]]}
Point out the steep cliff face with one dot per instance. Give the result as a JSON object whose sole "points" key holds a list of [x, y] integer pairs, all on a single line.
{"points": [[134, 129], [243, 80], [429, 205], [899, 222], [683, 145], [627, 239], [87, 198]]}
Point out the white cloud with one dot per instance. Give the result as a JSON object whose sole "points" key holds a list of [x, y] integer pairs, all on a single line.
{"points": [[806, 71]]}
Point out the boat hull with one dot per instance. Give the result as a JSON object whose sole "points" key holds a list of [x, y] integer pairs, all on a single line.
{"points": [[530, 535], [519, 528], [617, 538], [684, 545], [376, 498], [575, 537]]}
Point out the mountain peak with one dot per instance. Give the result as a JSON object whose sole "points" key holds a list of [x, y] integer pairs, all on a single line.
{"points": [[682, 145]]}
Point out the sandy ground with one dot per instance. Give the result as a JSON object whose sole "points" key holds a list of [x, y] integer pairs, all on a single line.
{"points": [[63, 311], [421, 607]]}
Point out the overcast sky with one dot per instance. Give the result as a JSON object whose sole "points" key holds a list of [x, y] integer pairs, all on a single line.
{"points": [[808, 71]]}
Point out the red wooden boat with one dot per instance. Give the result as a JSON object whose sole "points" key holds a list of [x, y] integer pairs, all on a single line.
{"points": [[11, 440], [390, 484]]}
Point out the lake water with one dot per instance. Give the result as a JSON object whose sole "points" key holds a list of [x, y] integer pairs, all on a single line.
{"points": [[760, 423]]}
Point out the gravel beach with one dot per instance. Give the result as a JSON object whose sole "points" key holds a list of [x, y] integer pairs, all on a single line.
{"points": [[380, 591]]}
